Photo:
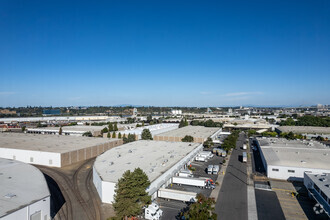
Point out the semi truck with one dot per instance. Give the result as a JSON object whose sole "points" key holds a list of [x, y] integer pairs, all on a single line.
{"points": [[153, 212], [199, 182], [171, 194], [244, 157]]}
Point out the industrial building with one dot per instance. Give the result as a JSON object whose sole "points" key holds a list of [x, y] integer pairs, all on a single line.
{"points": [[290, 159], [308, 131], [77, 130], [160, 160], [24, 193], [52, 150], [154, 129], [199, 133], [318, 186]]}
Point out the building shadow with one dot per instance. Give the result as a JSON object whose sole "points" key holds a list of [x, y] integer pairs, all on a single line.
{"points": [[56, 197]]}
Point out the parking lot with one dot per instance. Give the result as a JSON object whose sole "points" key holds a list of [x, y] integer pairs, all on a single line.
{"points": [[171, 209]]}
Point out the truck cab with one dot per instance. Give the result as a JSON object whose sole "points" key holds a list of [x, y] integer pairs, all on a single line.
{"points": [[153, 212]]}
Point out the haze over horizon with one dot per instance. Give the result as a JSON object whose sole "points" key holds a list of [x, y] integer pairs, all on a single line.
{"points": [[169, 53]]}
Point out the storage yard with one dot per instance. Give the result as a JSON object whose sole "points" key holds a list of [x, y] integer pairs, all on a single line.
{"points": [[53, 150], [199, 133]]}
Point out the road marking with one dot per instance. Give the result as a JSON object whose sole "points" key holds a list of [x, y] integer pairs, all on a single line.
{"points": [[286, 190]]}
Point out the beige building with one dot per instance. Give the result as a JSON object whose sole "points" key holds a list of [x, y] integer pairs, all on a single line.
{"points": [[199, 133]]}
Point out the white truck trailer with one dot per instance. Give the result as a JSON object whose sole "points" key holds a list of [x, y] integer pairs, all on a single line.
{"points": [[172, 194], [209, 169], [185, 173], [200, 182], [215, 169], [153, 212], [201, 159], [244, 147], [207, 154]]}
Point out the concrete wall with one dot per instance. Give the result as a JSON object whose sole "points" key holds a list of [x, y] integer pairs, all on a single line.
{"points": [[86, 153], [32, 157], [176, 139], [25, 213], [284, 174]]}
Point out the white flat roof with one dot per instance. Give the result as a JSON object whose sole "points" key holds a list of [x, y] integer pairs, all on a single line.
{"points": [[322, 181], [49, 143], [305, 129], [194, 131], [77, 128], [154, 129], [153, 157], [21, 184], [295, 153]]}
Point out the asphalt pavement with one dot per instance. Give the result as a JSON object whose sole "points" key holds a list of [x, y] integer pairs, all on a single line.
{"points": [[232, 199]]}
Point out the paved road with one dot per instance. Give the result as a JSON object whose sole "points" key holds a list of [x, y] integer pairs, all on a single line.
{"points": [[232, 200]]}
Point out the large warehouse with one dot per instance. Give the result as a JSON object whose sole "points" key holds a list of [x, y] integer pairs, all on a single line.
{"points": [[308, 131], [77, 130], [154, 129], [160, 160], [199, 133], [24, 193], [289, 159], [52, 150]]}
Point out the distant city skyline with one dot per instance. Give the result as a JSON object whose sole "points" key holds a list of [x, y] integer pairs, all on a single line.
{"points": [[164, 53]]}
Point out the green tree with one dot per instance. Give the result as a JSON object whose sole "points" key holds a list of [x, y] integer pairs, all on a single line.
{"points": [[88, 134], [115, 127], [129, 138], [119, 135], [110, 126], [185, 122], [108, 135], [114, 135], [202, 209], [104, 130], [182, 123], [187, 138], [23, 128], [146, 134], [142, 123], [149, 118], [130, 194], [60, 131], [208, 143]]}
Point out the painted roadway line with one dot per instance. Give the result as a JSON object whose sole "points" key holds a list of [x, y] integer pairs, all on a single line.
{"points": [[286, 190]]}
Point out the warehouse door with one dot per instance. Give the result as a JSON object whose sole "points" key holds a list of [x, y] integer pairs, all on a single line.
{"points": [[36, 216]]}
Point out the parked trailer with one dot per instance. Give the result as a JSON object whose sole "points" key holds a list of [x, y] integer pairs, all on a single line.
{"points": [[172, 194], [244, 157], [185, 174], [202, 159], [200, 182], [207, 154], [210, 169], [215, 169]]}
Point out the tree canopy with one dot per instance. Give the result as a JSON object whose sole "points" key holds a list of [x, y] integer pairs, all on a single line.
{"points": [[88, 134], [230, 141], [208, 123], [146, 135], [130, 193], [129, 138], [187, 138], [307, 120], [202, 209]]}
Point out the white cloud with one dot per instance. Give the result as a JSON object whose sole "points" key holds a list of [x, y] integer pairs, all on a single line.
{"points": [[7, 93], [242, 94], [205, 93]]}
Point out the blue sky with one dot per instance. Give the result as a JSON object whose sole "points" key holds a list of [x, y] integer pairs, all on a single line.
{"points": [[164, 53]]}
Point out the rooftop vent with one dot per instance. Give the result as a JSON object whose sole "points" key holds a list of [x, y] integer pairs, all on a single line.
{"points": [[323, 179], [303, 161], [111, 163], [327, 185], [9, 195], [130, 151]]}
